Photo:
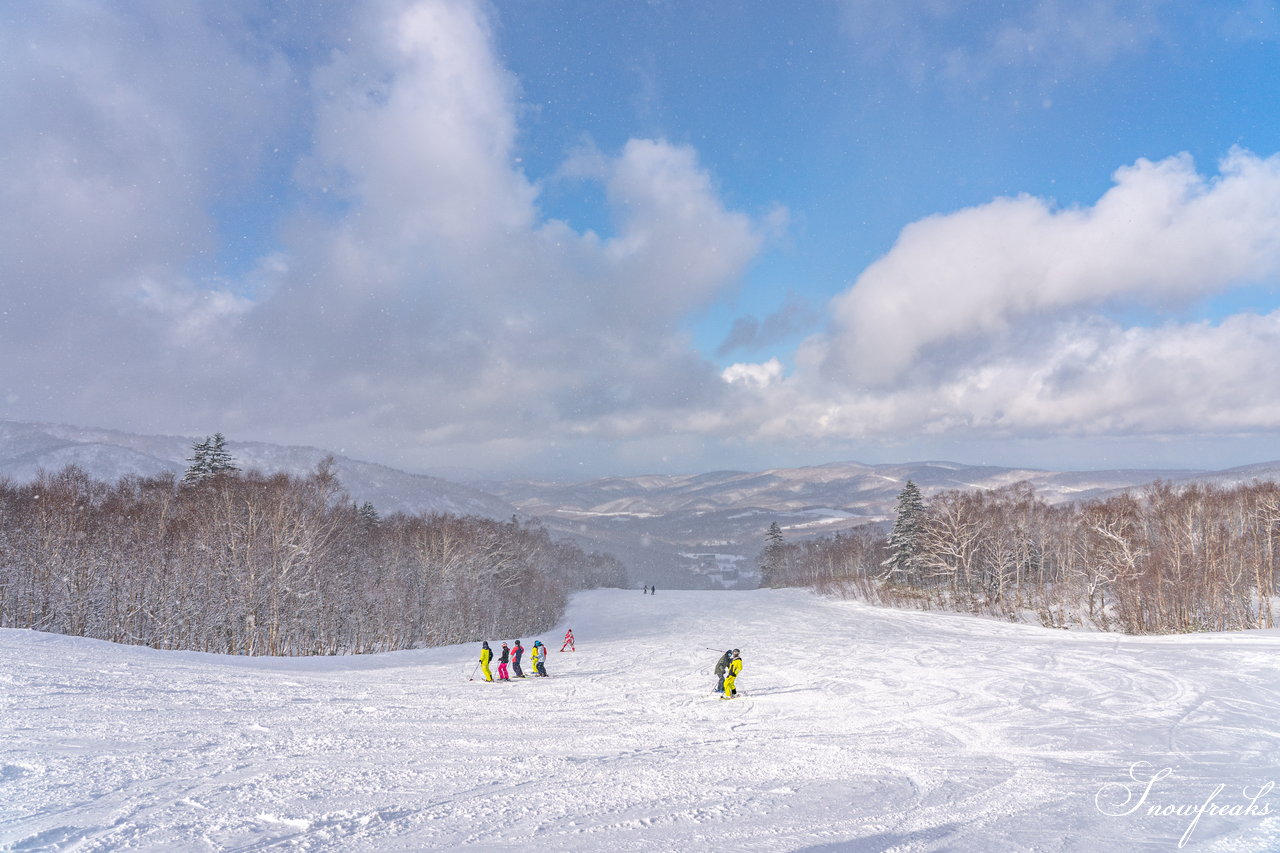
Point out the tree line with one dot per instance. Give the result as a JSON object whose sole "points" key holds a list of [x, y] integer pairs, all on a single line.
{"points": [[256, 564], [1164, 559]]}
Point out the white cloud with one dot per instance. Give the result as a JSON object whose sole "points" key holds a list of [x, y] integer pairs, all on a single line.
{"points": [[1162, 235], [753, 375], [991, 321], [420, 304], [1082, 378]]}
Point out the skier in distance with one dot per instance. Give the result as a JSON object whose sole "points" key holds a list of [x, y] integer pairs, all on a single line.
{"points": [[721, 666], [516, 652], [731, 676], [502, 663]]}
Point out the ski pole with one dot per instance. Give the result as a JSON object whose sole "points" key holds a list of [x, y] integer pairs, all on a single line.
{"points": [[472, 676]]}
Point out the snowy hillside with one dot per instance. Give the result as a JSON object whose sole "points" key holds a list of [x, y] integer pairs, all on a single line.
{"points": [[860, 730], [26, 448], [682, 528]]}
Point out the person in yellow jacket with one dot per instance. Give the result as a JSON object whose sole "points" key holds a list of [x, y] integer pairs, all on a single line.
{"points": [[486, 655], [731, 676]]}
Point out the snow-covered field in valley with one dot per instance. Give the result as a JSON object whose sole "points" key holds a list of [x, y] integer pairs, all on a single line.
{"points": [[860, 730]]}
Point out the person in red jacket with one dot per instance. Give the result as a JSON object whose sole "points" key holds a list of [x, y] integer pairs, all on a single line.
{"points": [[515, 659], [568, 641]]}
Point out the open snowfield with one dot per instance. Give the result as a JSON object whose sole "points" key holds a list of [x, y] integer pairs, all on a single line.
{"points": [[861, 730]]}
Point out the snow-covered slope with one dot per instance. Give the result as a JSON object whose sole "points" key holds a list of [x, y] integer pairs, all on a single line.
{"points": [[860, 730], [26, 448]]}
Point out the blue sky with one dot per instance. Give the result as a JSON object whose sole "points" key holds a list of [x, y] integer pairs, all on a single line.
{"points": [[573, 238]]}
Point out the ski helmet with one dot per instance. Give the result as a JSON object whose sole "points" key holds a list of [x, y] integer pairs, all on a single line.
{"points": [[735, 653]]}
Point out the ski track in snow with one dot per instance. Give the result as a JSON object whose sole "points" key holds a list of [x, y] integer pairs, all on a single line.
{"points": [[860, 729]]}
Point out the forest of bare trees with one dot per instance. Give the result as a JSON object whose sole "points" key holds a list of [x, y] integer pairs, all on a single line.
{"points": [[1165, 560], [277, 565]]}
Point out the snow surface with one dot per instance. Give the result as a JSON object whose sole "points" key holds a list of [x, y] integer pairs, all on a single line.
{"points": [[861, 729]]}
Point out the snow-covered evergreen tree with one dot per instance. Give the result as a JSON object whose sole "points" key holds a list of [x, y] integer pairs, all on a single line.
{"points": [[368, 514], [220, 459], [209, 458], [199, 468], [904, 539]]}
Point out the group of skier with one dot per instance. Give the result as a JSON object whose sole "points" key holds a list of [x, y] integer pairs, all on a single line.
{"points": [[728, 668], [512, 654]]}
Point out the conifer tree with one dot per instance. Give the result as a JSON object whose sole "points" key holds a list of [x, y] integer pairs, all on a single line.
{"points": [[220, 459], [771, 558], [368, 514], [904, 539], [198, 470], [209, 458]]}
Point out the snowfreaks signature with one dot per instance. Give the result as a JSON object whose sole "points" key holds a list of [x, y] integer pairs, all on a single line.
{"points": [[1116, 799]]}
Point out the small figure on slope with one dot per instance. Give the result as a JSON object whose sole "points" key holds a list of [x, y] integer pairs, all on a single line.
{"points": [[568, 641], [722, 666], [515, 659], [731, 676], [486, 655], [502, 663], [539, 658]]}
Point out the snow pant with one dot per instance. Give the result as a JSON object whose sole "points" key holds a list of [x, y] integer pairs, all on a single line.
{"points": [[720, 685], [542, 669], [729, 681], [515, 665], [502, 672], [488, 676]]}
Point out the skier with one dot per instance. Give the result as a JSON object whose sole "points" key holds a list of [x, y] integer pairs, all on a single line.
{"points": [[515, 659], [568, 641], [502, 663], [721, 666], [486, 655], [646, 589], [539, 658], [731, 676]]}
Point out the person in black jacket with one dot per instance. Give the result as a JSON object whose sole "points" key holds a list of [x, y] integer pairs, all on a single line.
{"points": [[515, 659], [502, 663]]}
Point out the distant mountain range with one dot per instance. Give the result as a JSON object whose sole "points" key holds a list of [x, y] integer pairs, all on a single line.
{"points": [[713, 524], [682, 530], [26, 448]]}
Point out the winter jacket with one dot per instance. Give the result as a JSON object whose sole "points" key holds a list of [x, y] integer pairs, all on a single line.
{"points": [[516, 652], [506, 655], [723, 663], [485, 654]]}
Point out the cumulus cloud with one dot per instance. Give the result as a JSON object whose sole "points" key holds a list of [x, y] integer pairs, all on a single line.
{"points": [[753, 375], [992, 321], [1083, 378], [1162, 235], [441, 299], [418, 302]]}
